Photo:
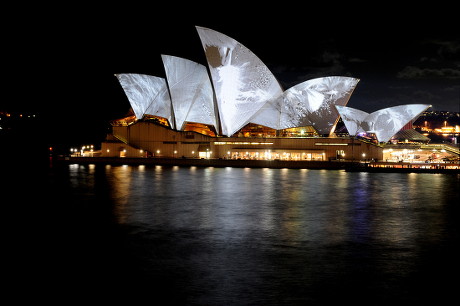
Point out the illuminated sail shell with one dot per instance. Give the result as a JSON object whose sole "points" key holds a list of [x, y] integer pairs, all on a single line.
{"points": [[352, 118], [384, 123], [191, 91], [308, 103], [242, 82], [148, 95], [323, 95]]}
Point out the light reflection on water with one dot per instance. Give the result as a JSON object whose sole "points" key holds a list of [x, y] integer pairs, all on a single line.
{"points": [[295, 206], [238, 223]]}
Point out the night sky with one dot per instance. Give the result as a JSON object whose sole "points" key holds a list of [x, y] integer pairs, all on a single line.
{"points": [[62, 65]]}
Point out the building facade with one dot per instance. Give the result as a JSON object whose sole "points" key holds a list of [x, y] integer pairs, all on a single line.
{"points": [[150, 140], [235, 108]]}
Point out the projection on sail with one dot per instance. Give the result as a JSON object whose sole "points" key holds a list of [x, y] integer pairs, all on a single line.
{"points": [[384, 123], [191, 91], [148, 95], [242, 82]]}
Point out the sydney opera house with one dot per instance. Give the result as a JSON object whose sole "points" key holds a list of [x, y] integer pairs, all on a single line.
{"points": [[235, 108]]}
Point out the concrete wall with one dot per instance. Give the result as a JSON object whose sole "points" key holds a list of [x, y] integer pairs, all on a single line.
{"points": [[146, 139]]}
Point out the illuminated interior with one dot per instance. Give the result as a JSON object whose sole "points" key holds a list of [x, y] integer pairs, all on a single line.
{"points": [[256, 130], [157, 120], [124, 121], [275, 154], [200, 128], [302, 131]]}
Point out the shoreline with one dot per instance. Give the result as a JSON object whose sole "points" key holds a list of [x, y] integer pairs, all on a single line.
{"points": [[387, 167], [236, 163]]}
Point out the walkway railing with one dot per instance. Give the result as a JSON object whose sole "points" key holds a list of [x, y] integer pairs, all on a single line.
{"points": [[442, 146]]}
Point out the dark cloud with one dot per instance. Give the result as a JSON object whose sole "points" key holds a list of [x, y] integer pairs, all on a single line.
{"points": [[357, 60], [448, 50], [412, 72], [437, 59]]}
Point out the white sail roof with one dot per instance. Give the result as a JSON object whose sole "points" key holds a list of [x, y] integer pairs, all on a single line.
{"points": [[191, 91], [352, 118], [242, 82], [308, 103], [240, 89], [384, 123], [148, 95]]}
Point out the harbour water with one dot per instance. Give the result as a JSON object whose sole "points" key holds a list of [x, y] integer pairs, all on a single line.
{"points": [[174, 235]]}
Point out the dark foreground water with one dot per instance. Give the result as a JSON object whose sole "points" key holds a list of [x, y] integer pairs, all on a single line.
{"points": [[81, 234]]}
